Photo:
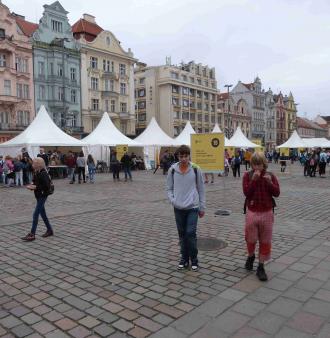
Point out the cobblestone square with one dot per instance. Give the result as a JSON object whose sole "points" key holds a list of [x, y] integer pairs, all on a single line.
{"points": [[110, 270]]}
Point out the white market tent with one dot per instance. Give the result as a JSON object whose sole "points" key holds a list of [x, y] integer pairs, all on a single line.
{"points": [[313, 142], [239, 140], [153, 138], [106, 135], [295, 141], [217, 129], [185, 135], [42, 131]]}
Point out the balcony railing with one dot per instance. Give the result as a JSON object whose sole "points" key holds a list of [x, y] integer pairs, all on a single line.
{"points": [[109, 93], [12, 127]]}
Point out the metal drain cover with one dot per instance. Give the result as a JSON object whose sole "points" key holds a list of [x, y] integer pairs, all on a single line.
{"points": [[209, 244], [223, 212]]}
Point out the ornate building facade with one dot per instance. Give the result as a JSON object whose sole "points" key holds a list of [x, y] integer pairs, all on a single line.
{"points": [[16, 77], [107, 72], [57, 61]]}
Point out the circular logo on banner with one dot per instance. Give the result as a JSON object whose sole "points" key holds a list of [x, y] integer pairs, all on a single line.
{"points": [[215, 142]]}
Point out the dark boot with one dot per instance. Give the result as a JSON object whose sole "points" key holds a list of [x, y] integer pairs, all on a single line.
{"points": [[249, 263], [261, 273]]}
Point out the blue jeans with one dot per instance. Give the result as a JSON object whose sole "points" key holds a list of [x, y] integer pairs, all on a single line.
{"points": [[91, 174], [127, 171], [40, 210], [186, 222], [71, 174]]}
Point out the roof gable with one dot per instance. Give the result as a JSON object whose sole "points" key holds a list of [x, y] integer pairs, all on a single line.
{"points": [[89, 29], [57, 7], [28, 28]]}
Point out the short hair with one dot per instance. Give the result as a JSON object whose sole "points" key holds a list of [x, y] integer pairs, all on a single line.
{"points": [[39, 161], [183, 150], [259, 158]]}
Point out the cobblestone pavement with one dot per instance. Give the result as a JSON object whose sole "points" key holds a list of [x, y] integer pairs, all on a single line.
{"points": [[110, 269]]}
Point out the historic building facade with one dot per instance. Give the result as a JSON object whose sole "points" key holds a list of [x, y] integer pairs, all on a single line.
{"points": [[307, 128], [57, 61], [290, 114], [281, 130], [254, 97], [107, 74], [16, 77], [233, 114], [175, 95], [323, 121]]}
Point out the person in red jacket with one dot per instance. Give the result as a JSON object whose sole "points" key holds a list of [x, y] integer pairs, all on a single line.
{"points": [[71, 162], [259, 187]]}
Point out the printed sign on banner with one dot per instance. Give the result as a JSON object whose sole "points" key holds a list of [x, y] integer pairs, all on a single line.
{"points": [[207, 151], [121, 149]]}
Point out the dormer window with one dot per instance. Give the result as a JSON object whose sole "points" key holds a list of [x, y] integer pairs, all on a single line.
{"points": [[57, 26], [2, 33], [108, 41]]}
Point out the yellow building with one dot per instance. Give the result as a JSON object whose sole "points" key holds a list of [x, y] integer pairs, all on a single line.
{"points": [[290, 115], [107, 77]]}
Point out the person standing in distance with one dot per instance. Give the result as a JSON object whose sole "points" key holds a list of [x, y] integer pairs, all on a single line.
{"points": [[185, 190], [44, 156]]}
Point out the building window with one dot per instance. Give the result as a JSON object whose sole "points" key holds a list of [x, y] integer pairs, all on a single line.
{"points": [[175, 101], [199, 105], [174, 75], [60, 70], [191, 92], [185, 102], [123, 88], [94, 83], [122, 69], [73, 75], [185, 116], [192, 80], [175, 89], [108, 41], [57, 26], [107, 66], [41, 68], [142, 117], [206, 83], [4, 117], [141, 80], [73, 96], [2, 60], [106, 105], [185, 90], [26, 92], [42, 92], [141, 104], [22, 118], [192, 116], [206, 118], [206, 96], [123, 107], [184, 78], [7, 87], [51, 68], [2, 33], [95, 104], [113, 106], [19, 89], [93, 62], [61, 94], [199, 81], [141, 93]]}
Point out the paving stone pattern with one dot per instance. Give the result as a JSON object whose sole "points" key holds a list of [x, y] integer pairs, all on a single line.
{"points": [[110, 269]]}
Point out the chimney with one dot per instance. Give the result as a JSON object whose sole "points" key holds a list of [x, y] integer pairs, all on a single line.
{"points": [[89, 18]]}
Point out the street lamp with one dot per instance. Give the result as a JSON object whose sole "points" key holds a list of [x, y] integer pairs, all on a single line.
{"points": [[228, 86]]}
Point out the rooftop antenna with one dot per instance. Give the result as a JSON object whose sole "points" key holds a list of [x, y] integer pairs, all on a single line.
{"points": [[168, 61]]}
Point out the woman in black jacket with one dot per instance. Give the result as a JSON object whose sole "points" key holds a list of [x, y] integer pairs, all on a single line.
{"points": [[41, 188]]}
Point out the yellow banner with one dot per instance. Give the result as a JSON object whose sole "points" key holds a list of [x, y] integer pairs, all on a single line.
{"points": [[121, 149], [257, 141], [207, 151], [285, 151]]}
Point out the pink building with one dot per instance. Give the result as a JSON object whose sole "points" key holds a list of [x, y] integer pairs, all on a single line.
{"points": [[16, 77]]}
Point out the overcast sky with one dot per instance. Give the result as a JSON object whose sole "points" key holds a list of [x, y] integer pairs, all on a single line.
{"points": [[285, 42]]}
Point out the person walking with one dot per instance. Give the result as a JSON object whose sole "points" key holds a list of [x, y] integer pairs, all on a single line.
{"points": [[81, 164], [41, 187], [91, 168], [114, 165], [259, 188], [185, 190], [322, 163], [236, 165], [127, 162], [71, 163]]}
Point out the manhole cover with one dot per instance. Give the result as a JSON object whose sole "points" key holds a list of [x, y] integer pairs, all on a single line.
{"points": [[209, 244], [223, 212]]}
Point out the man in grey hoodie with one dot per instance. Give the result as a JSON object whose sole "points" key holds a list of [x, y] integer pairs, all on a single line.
{"points": [[185, 190]]}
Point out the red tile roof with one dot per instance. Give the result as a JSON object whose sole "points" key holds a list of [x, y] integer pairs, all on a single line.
{"points": [[305, 123], [222, 96], [89, 29], [28, 28]]}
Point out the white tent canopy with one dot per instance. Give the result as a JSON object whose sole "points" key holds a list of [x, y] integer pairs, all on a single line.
{"points": [[42, 131], [295, 141], [313, 142], [217, 129], [239, 140], [107, 134], [184, 137], [153, 135]]}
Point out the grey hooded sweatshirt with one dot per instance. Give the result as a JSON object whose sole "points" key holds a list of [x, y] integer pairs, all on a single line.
{"points": [[182, 190]]}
